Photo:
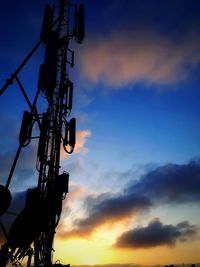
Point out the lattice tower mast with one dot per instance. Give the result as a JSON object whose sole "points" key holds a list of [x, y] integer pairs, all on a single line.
{"points": [[43, 205]]}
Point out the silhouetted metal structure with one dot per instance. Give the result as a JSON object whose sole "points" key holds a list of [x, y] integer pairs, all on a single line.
{"points": [[32, 232]]}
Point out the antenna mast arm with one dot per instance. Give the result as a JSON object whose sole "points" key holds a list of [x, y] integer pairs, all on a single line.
{"points": [[9, 81]]}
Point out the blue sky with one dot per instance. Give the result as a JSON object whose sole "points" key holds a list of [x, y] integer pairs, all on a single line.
{"points": [[136, 101]]}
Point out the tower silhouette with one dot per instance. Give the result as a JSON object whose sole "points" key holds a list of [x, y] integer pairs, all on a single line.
{"points": [[32, 233]]}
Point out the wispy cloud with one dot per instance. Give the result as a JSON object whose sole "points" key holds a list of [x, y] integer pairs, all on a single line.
{"points": [[156, 234], [128, 57]]}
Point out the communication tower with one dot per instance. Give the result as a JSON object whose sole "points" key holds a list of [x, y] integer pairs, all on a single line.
{"points": [[32, 233]]}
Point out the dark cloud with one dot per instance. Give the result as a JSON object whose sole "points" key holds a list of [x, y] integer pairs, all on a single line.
{"points": [[170, 184], [107, 208], [156, 234]]}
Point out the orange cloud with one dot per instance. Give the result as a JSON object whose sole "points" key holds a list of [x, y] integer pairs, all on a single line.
{"points": [[81, 138], [127, 57], [105, 210], [76, 191]]}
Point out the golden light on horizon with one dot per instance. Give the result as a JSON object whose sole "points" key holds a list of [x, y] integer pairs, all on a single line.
{"points": [[98, 250]]}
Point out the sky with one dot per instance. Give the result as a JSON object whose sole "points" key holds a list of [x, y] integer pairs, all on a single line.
{"points": [[135, 173]]}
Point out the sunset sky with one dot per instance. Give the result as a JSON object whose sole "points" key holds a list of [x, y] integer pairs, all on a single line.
{"points": [[135, 174]]}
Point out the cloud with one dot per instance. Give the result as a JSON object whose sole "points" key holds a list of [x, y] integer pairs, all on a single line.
{"points": [[156, 234], [81, 138], [169, 184], [107, 209], [127, 57], [75, 192]]}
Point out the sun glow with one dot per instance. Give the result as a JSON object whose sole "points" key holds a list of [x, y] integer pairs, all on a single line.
{"points": [[99, 249]]}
